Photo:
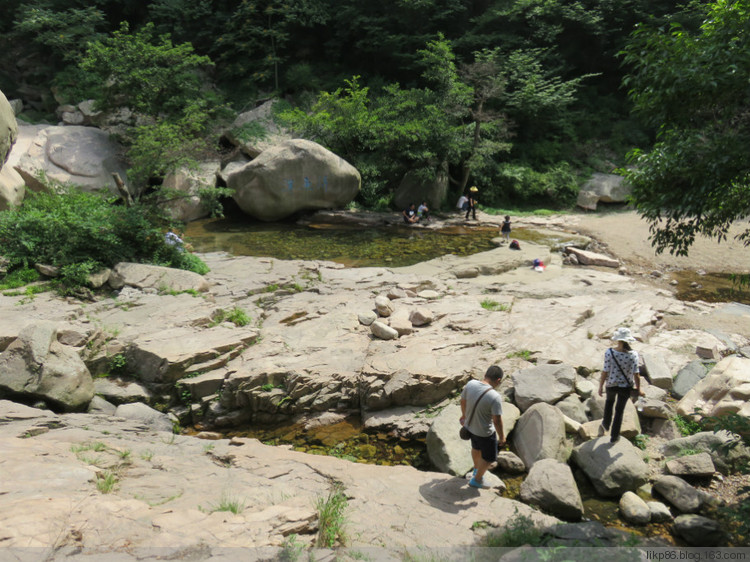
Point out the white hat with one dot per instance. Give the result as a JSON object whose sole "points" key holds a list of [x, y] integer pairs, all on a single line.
{"points": [[623, 334]]}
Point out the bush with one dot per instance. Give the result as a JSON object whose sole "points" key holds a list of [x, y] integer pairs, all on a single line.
{"points": [[82, 232]]}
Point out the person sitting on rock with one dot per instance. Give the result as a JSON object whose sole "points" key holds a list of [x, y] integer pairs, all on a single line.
{"points": [[410, 214], [423, 212]]}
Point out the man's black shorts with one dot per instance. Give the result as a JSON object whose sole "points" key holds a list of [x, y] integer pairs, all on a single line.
{"points": [[487, 445]]}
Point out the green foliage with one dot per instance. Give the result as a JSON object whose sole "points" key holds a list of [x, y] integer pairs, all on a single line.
{"points": [[687, 425], [641, 441], [19, 277], [230, 504], [693, 87], [146, 72], [83, 232], [237, 316], [491, 305], [520, 531], [291, 549], [331, 518], [106, 481]]}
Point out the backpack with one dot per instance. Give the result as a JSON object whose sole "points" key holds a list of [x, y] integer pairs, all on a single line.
{"points": [[514, 245]]}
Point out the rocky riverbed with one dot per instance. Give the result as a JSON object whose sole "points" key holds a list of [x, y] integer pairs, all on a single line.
{"points": [[260, 340]]}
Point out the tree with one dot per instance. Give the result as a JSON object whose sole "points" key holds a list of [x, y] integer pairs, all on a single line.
{"points": [[694, 88]]}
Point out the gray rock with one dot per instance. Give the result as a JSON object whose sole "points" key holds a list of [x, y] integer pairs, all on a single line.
{"points": [[119, 391], [722, 391], [8, 128], [99, 405], [144, 276], [725, 459], [550, 485], [186, 182], [446, 450], [697, 530], [144, 414], [572, 407], [400, 322], [633, 509], [679, 493], [395, 293], [36, 365], [545, 383], [587, 200], [614, 468], [510, 463], [657, 369], [666, 429], [608, 188], [82, 156], [585, 388], [367, 318], [692, 465], [420, 317], [540, 434], [383, 332], [687, 378], [414, 189], [293, 176], [659, 512], [242, 131], [384, 306], [656, 409], [586, 257]]}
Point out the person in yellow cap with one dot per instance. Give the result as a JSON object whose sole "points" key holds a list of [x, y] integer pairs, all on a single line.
{"points": [[472, 208]]}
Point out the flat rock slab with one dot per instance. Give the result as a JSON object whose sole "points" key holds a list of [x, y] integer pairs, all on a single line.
{"points": [[586, 257], [167, 492]]}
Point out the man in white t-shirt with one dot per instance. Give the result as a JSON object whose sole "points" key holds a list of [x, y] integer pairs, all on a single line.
{"points": [[485, 424]]}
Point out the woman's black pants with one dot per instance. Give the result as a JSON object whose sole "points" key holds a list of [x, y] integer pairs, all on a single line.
{"points": [[617, 396]]}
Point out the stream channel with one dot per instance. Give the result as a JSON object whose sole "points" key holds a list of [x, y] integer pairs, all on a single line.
{"points": [[396, 246]]}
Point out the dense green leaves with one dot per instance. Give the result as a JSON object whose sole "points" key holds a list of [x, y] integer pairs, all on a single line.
{"points": [[694, 86], [82, 232]]}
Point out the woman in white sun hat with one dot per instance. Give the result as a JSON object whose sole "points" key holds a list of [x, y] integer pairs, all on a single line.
{"points": [[621, 375]]}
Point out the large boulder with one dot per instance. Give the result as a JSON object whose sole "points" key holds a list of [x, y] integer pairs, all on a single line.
{"points": [[614, 468], [82, 156], [36, 366], [550, 485], [296, 175], [605, 188], [413, 189], [545, 383], [657, 369], [144, 414], [634, 509], [540, 434], [725, 454], [725, 390], [256, 130], [187, 182], [12, 189], [679, 493], [687, 377], [697, 530], [447, 451], [144, 276], [8, 128]]}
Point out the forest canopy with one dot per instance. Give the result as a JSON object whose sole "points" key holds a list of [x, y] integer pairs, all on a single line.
{"points": [[521, 97]]}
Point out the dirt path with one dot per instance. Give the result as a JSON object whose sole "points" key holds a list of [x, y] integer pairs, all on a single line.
{"points": [[626, 236]]}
